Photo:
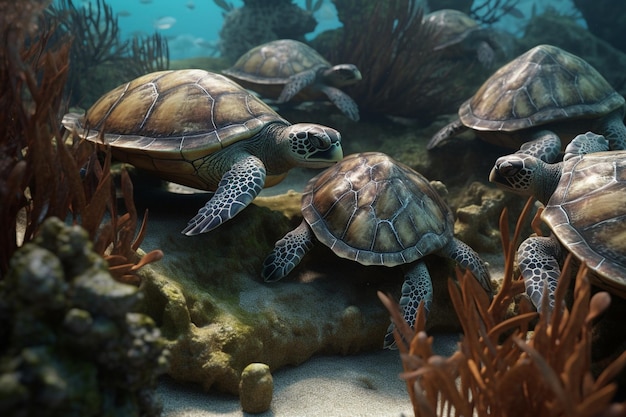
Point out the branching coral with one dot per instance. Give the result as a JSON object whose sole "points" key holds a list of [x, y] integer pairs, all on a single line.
{"points": [[40, 172], [501, 368], [491, 11], [403, 75], [100, 60]]}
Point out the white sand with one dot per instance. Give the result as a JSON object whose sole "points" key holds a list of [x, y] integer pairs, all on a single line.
{"points": [[365, 385]]}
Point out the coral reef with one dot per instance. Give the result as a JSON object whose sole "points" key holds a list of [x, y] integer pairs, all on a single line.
{"points": [[261, 21], [41, 171], [503, 369], [402, 73], [71, 343], [100, 59]]}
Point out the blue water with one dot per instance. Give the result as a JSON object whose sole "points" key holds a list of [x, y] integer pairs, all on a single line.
{"points": [[198, 22], [195, 31]]}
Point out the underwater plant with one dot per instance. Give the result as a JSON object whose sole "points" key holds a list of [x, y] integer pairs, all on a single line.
{"points": [[40, 172], [100, 60], [491, 11], [503, 369], [403, 75]]}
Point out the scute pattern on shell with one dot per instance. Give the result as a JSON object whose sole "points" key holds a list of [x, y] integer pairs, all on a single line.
{"points": [[178, 114], [275, 62], [452, 25], [544, 85], [374, 210], [588, 216]]}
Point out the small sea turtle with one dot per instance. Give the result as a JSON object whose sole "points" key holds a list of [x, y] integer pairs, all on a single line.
{"points": [[458, 32], [202, 130], [584, 207], [286, 69], [374, 210], [541, 95]]}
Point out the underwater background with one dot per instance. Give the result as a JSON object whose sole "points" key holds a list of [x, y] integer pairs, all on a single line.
{"points": [[197, 308], [192, 26]]}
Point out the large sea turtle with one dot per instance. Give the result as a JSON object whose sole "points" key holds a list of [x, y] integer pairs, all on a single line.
{"points": [[374, 210], [290, 70], [539, 98], [202, 130], [457, 34], [585, 207]]}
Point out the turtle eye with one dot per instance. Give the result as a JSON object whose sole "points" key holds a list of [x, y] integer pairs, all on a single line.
{"points": [[507, 169]]}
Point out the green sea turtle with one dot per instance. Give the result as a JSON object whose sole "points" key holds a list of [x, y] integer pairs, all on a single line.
{"points": [[457, 33], [376, 211], [202, 130], [286, 69], [539, 98], [584, 198]]}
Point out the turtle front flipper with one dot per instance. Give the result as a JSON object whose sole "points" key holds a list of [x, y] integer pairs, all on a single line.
{"points": [[538, 259], [586, 143], [467, 258], [448, 131], [417, 287], [342, 101], [237, 188], [295, 84], [543, 144], [287, 253]]}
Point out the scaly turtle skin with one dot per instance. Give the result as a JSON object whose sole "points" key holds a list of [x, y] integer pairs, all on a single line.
{"points": [[584, 207], [376, 211], [290, 70], [539, 98], [456, 29], [202, 130]]}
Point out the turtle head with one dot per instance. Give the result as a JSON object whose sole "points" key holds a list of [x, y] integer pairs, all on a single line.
{"points": [[526, 175], [313, 146], [342, 75]]}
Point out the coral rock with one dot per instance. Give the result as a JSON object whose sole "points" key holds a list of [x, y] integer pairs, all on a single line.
{"points": [[256, 388]]}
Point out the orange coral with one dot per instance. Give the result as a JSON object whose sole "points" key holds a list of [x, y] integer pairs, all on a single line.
{"points": [[503, 369]]}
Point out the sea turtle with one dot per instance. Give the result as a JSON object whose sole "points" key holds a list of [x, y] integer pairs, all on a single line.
{"points": [[374, 210], [584, 207], [457, 33], [541, 95], [286, 69], [202, 130]]}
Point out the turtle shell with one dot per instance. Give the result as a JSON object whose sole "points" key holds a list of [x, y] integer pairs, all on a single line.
{"points": [[544, 85], [374, 210], [267, 68], [588, 215], [452, 26], [167, 122]]}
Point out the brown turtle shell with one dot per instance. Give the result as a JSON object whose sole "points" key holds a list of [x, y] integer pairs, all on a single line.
{"points": [[587, 213], [168, 122], [374, 210], [267, 68], [452, 26], [544, 85]]}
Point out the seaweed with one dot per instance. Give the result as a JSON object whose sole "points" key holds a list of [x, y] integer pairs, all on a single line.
{"points": [[43, 173], [403, 75], [501, 368], [100, 58], [492, 11]]}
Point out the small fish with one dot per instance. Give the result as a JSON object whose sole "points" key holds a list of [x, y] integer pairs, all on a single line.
{"points": [[164, 23], [190, 5], [123, 13], [145, 1]]}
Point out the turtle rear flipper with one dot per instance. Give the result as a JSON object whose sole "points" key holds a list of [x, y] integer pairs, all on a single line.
{"points": [[448, 131]]}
